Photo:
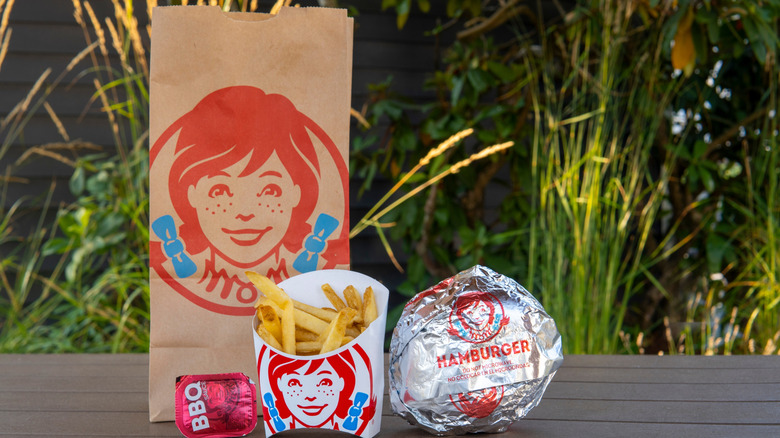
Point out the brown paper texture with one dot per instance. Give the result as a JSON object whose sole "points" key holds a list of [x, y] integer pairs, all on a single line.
{"points": [[249, 129]]}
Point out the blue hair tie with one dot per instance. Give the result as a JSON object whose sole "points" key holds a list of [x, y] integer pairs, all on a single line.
{"points": [[273, 412], [165, 229], [351, 422], [315, 243]]}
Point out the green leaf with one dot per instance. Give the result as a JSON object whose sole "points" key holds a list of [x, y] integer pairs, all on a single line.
{"points": [[754, 36], [402, 9], [457, 88], [713, 28], [77, 181], [699, 149], [453, 6], [99, 183], [389, 108], [504, 72], [58, 245], [479, 79], [707, 179], [716, 248], [692, 176], [475, 7], [424, 5]]}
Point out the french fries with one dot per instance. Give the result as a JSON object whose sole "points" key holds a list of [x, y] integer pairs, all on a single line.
{"points": [[301, 329]]}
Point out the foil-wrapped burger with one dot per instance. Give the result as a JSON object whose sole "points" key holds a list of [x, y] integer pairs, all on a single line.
{"points": [[472, 354]]}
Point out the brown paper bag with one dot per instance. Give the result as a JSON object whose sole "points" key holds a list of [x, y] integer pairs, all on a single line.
{"points": [[248, 171]]}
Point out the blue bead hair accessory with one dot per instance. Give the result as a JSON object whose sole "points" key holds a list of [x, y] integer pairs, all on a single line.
{"points": [[315, 243], [351, 422], [165, 229], [273, 412]]}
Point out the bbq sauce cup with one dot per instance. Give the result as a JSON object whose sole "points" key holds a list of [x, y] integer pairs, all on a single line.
{"points": [[339, 390]]}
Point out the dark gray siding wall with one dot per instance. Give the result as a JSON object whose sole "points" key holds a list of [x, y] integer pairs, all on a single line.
{"points": [[45, 35]]}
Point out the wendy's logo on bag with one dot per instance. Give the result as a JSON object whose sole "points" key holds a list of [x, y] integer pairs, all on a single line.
{"points": [[331, 392], [477, 317], [478, 404], [245, 181]]}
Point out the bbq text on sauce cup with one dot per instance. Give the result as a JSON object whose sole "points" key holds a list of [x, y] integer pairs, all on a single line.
{"points": [[338, 390]]}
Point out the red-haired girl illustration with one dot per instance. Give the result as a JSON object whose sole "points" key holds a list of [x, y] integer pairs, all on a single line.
{"points": [[317, 393], [244, 182], [477, 317]]}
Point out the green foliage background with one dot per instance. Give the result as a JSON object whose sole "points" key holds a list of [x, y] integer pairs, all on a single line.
{"points": [[639, 201]]}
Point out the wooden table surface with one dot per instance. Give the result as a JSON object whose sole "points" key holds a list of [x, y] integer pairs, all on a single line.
{"points": [[591, 396]]}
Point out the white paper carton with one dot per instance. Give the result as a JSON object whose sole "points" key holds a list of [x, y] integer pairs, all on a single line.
{"points": [[340, 390]]}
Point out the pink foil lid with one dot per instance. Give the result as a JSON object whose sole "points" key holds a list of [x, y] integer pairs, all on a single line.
{"points": [[215, 405]]}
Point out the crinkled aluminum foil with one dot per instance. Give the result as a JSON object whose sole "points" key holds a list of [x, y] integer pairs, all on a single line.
{"points": [[472, 354]]}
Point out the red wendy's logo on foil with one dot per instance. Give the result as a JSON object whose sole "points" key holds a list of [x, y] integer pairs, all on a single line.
{"points": [[478, 404], [477, 317]]}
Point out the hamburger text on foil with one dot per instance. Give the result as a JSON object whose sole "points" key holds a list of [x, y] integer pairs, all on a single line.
{"points": [[483, 353]]}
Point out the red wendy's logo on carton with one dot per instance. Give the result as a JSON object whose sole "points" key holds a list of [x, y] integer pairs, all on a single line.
{"points": [[477, 317], [245, 181], [332, 392], [340, 390]]}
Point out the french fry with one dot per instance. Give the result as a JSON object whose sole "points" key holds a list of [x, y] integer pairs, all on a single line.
{"points": [[331, 295], [323, 314], [301, 329], [263, 300], [309, 322], [288, 328], [335, 331], [302, 335], [268, 337], [369, 307], [353, 331], [308, 347], [267, 287], [352, 297], [269, 318]]}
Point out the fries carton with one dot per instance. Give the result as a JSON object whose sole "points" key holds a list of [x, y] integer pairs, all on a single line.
{"points": [[339, 390]]}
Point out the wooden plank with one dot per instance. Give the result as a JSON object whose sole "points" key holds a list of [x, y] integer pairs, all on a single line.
{"points": [[24, 68], [46, 38], [389, 54], [667, 375], [84, 371], [56, 11], [372, 26], [675, 362], [78, 396], [84, 424], [721, 392], [636, 429], [58, 383], [87, 401], [658, 411], [69, 100], [40, 130]]}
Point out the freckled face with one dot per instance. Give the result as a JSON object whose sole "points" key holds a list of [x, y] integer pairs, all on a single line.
{"points": [[312, 398], [240, 212], [478, 314]]}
